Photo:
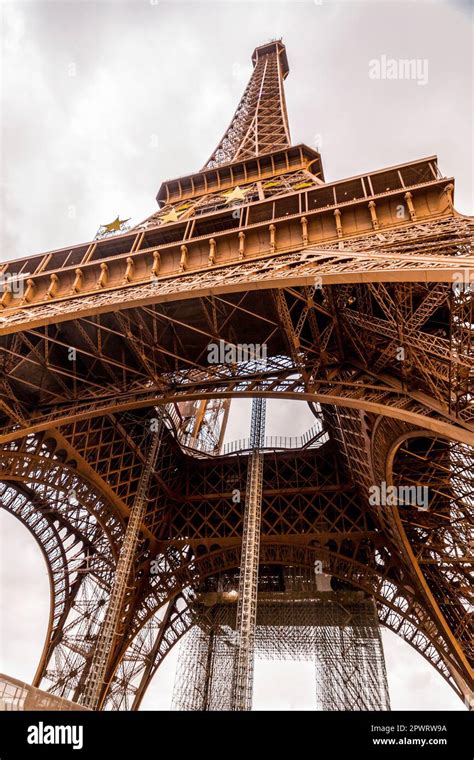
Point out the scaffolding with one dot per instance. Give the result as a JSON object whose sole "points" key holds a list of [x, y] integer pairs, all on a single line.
{"points": [[338, 632], [204, 677], [348, 656]]}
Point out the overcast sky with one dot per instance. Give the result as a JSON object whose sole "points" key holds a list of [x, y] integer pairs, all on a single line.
{"points": [[103, 101]]}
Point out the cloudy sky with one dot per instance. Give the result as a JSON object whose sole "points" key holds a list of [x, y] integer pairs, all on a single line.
{"points": [[102, 101]]}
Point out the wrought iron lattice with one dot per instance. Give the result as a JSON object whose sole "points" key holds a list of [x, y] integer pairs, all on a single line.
{"points": [[366, 315]]}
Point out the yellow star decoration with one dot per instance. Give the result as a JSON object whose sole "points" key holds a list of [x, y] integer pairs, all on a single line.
{"points": [[115, 225], [301, 185], [171, 216], [235, 195]]}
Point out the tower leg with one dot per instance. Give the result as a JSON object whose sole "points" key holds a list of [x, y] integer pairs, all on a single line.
{"points": [[94, 687]]}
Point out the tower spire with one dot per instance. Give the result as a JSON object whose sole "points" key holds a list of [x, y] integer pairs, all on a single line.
{"points": [[260, 123]]}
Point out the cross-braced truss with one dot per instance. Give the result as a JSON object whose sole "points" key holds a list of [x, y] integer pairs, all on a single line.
{"points": [[260, 123]]}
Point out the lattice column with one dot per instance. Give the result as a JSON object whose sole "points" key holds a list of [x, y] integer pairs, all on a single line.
{"points": [[103, 649], [248, 583]]}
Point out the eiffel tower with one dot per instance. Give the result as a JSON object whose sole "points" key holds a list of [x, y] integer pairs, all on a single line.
{"points": [[354, 297]]}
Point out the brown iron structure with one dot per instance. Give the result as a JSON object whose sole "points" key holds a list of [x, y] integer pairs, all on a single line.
{"points": [[112, 417]]}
